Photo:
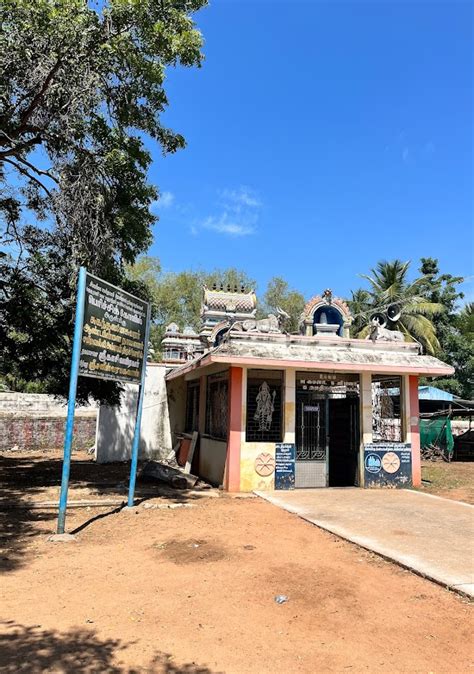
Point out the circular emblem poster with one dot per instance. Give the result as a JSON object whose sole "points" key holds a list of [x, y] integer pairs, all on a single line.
{"points": [[373, 463], [390, 462], [264, 464]]}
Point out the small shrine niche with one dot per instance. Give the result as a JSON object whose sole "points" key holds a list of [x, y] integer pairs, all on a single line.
{"points": [[325, 315], [328, 321]]}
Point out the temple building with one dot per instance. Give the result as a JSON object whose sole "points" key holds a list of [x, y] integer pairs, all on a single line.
{"points": [[221, 306], [180, 346], [274, 410]]}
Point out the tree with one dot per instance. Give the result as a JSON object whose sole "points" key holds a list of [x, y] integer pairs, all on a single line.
{"points": [[36, 322], [389, 285], [465, 321], [454, 328], [279, 294], [145, 272], [361, 306], [80, 88], [458, 351], [440, 289]]}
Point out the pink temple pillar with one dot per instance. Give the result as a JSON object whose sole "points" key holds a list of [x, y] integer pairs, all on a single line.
{"points": [[415, 430], [232, 472]]}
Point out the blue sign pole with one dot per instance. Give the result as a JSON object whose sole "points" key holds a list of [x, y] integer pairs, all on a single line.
{"points": [[76, 353], [136, 435]]}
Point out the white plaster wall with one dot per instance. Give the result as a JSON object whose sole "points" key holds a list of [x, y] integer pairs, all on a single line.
{"points": [[176, 397], [40, 404], [115, 425]]}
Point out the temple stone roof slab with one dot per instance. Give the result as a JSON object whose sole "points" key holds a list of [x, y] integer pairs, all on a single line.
{"points": [[349, 355]]}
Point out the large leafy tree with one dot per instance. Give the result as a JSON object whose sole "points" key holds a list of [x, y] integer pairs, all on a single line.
{"points": [[454, 328], [389, 285], [442, 289], [81, 85], [79, 88], [458, 351]]}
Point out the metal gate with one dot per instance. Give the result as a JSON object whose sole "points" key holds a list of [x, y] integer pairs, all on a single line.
{"points": [[312, 423]]}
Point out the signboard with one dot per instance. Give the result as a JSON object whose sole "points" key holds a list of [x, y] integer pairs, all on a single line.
{"points": [[111, 330], [387, 465], [113, 333], [330, 387], [284, 465]]}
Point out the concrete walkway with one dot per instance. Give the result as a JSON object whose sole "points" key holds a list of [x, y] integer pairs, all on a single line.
{"points": [[430, 535]]}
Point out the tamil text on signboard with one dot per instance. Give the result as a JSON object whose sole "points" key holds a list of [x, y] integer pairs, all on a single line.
{"points": [[387, 465], [113, 333], [284, 465]]}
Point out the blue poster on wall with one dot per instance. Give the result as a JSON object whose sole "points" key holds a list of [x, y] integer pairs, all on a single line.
{"points": [[387, 465], [284, 465]]}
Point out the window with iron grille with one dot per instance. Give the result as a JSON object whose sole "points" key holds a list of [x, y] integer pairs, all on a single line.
{"points": [[386, 408], [264, 406], [217, 406], [192, 407]]}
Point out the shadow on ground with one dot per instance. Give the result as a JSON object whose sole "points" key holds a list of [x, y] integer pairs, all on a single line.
{"points": [[33, 650], [17, 519], [29, 477]]}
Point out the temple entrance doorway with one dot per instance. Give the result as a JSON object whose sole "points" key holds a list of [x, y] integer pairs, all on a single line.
{"points": [[327, 430]]}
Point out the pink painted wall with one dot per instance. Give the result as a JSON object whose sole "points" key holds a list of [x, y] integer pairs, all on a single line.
{"points": [[415, 431], [232, 469]]}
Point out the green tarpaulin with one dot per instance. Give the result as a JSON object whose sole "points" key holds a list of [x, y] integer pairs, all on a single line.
{"points": [[437, 432]]}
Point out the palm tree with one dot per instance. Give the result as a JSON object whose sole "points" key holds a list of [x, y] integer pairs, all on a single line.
{"points": [[465, 320], [360, 304], [389, 286]]}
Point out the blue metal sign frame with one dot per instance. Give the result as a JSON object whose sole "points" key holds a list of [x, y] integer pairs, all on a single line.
{"points": [[76, 354], [136, 435], [75, 373]]}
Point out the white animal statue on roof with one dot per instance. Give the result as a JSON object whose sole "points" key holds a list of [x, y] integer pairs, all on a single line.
{"points": [[380, 333], [273, 323]]}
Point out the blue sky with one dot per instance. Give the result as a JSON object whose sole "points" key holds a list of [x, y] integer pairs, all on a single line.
{"points": [[322, 137]]}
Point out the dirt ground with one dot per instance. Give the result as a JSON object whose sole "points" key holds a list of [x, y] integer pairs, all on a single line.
{"points": [[453, 480], [192, 588]]}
